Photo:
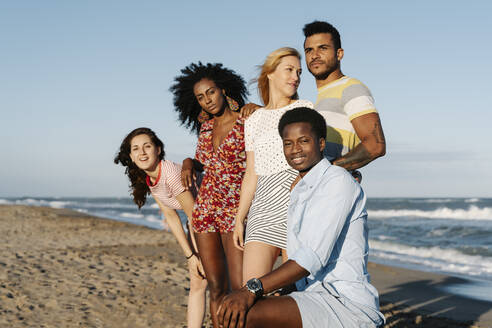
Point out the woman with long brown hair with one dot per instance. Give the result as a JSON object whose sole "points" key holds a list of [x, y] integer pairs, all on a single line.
{"points": [[142, 153]]}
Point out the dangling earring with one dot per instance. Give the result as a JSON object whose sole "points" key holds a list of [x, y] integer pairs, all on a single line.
{"points": [[233, 105], [203, 116]]}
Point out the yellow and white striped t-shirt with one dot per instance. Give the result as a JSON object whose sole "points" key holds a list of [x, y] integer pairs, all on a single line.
{"points": [[340, 102]]}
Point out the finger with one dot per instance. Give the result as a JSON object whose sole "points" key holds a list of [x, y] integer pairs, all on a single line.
{"points": [[237, 241], [238, 246], [201, 271], [241, 240], [222, 312], [196, 271], [186, 181], [227, 318], [220, 316], [233, 321], [241, 320]]}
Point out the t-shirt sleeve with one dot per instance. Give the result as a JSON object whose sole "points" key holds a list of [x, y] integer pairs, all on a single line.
{"points": [[173, 178], [357, 100], [249, 134]]}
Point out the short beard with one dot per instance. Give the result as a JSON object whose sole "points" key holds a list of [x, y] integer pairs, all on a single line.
{"points": [[324, 75]]}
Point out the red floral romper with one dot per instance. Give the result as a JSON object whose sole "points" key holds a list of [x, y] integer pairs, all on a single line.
{"points": [[218, 197]]}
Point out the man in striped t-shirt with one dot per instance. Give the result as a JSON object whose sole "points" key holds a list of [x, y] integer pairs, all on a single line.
{"points": [[355, 136]]}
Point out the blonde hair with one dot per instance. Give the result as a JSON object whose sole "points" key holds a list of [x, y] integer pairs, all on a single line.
{"points": [[269, 66]]}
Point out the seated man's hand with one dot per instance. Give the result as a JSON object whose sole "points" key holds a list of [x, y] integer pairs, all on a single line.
{"points": [[232, 311]]}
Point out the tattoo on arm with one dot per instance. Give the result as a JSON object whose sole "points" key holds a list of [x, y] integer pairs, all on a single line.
{"points": [[377, 133], [357, 157]]}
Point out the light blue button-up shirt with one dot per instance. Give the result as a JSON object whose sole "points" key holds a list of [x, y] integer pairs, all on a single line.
{"points": [[327, 234]]}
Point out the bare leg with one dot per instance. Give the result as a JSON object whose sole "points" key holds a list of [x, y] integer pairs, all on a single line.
{"points": [[272, 312], [214, 265], [258, 259], [234, 261], [196, 301], [284, 255]]}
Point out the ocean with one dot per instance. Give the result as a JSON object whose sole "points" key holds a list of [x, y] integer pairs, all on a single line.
{"points": [[444, 235]]}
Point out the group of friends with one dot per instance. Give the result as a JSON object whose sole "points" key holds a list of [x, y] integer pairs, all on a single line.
{"points": [[267, 181]]}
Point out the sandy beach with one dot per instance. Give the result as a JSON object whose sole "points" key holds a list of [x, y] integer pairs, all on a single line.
{"points": [[61, 268]]}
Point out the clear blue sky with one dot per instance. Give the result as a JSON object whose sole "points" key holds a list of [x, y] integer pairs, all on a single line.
{"points": [[77, 76]]}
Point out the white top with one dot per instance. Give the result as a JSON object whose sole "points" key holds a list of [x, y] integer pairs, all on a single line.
{"points": [[261, 137]]}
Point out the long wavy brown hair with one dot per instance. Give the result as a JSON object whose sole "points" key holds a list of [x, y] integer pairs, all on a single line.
{"points": [[138, 186]]}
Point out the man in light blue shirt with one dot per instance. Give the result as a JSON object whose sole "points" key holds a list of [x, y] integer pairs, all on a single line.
{"points": [[326, 245]]}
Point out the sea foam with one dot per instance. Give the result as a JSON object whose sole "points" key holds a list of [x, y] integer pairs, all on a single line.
{"points": [[439, 259], [472, 213]]}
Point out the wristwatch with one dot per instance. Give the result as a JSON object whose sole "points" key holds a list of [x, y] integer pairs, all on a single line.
{"points": [[255, 287]]}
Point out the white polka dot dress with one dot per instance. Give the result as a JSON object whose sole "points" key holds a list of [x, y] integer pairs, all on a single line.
{"points": [[267, 217]]}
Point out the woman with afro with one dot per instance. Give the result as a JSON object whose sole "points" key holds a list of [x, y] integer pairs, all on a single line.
{"points": [[207, 97]]}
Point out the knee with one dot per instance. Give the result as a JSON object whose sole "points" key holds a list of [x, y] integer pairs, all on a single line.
{"points": [[253, 319], [197, 285]]}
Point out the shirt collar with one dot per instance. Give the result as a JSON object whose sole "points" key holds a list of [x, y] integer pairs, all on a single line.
{"points": [[312, 177], [147, 179]]}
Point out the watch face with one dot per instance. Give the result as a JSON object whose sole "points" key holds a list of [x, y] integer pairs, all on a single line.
{"points": [[254, 285]]}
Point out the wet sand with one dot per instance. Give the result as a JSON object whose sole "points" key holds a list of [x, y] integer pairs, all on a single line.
{"points": [[60, 268]]}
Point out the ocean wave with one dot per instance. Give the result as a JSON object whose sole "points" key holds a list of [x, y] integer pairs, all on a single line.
{"points": [[153, 218], [58, 204], [74, 204], [472, 213], [43, 202], [445, 260], [131, 215], [4, 202], [472, 200], [433, 200]]}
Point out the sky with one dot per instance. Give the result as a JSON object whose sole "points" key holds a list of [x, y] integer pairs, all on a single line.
{"points": [[77, 76]]}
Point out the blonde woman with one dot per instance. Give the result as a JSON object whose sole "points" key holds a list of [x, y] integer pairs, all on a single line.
{"points": [[266, 184]]}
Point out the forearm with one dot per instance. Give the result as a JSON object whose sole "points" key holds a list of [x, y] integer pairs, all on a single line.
{"points": [[356, 158], [373, 144], [364, 153], [248, 188], [192, 236], [187, 203], [287, 274], [176, 227]]}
